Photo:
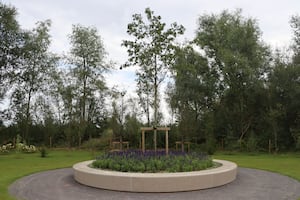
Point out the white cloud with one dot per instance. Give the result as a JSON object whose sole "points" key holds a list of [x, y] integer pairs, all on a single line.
{"points": [[122, 79]]}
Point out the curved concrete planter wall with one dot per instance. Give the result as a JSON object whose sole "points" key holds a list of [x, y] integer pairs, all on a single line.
{"points": [[155, 182]]}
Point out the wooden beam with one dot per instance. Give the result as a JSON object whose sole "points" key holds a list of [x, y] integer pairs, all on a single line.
{"points": [[166, 129], [155, 140], [147, 129], [158, 128]]}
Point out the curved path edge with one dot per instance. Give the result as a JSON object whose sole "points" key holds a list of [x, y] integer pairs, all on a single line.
{"points": [[155, 182]]}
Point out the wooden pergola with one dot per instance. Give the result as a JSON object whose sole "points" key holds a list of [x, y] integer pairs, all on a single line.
{"points": [[182, 144], [166, 129]]}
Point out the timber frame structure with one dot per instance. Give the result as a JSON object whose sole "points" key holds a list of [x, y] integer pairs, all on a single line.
{"points": [[166, 129]]}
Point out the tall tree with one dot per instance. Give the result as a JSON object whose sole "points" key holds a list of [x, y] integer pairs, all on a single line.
{"points": [[87, 59], [295, 24], [193, 92], [152, 49], [233, 45], [284, 105], [11, 41], [33, 73], [284, 90]]}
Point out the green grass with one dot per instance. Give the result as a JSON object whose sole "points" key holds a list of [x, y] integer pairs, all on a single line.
{"points": [[17, 165], [285, 164], [14, 166]]}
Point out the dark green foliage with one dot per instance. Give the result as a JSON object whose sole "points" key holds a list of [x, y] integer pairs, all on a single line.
{"points": [[43, 152], [87, 66], [98, 144], [11, 43], [252, 143]]}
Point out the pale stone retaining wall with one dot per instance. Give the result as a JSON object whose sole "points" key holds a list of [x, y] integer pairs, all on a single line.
{"points": [[155, 182]]}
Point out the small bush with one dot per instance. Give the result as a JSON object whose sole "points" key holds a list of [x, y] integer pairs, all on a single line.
{"points": [[101, 143], [252, 143], [43, 152], [20, 147], [298, 143], [6, 148]]}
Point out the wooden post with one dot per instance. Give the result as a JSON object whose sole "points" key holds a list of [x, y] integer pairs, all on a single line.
{"points": [[155, 140], [143, 141], [182, 146], [167, 142], [121, 143], [155, 129]]}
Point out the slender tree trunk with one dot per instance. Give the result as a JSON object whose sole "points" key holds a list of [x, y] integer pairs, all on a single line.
{"points": [[275, 136], [148, 109], [83, 111], [69, 129], [155, 105], [241, 122], [50, 142], [26, 136]]}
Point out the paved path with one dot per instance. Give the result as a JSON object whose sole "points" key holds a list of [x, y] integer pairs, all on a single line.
{"points": [[250, 184]]}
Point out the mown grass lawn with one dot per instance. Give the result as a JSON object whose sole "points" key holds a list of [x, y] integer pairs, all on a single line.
{"points": [[16, 165], [286, 164]]}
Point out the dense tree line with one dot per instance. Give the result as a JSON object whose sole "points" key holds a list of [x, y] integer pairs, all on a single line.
{"points": [[227, 88], [234, 93]]}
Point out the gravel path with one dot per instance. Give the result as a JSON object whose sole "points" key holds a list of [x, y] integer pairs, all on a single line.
{"points": [[250, 184]]}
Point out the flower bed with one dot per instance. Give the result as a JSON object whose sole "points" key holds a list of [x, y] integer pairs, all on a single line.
{"points": [[155, 182], [150, 161]]}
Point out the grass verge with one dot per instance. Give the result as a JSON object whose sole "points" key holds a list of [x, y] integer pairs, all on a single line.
{"points": [[286, 164], [17, 165]]}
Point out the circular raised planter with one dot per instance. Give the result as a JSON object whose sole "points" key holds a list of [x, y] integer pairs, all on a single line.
{"points": [[155, 182]]}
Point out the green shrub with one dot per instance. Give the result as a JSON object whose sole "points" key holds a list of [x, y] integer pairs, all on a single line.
{"points": [[252, 143], [101, 143], [96, 144], [6, 148], [298, 143], [20, 147], [43, 152], [136, 161]]}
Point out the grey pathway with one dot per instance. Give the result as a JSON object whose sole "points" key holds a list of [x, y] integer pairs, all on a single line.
{"points": [[250, 184]]}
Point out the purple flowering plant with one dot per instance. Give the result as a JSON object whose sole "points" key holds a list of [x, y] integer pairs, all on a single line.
{"points": [[151, 161]]}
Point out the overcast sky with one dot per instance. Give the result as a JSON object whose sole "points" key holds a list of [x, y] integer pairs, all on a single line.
{"points": [[111, 17]]}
